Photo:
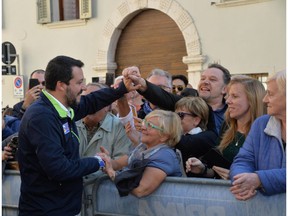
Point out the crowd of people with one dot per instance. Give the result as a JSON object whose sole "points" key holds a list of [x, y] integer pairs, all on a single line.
{"points": [[160, 126]]}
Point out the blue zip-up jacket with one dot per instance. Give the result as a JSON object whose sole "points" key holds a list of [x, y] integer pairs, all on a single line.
{"points": [[50, 167], [263, 153]]}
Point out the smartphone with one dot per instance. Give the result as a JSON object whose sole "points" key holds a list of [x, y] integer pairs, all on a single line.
{"points": [[33, 82]]}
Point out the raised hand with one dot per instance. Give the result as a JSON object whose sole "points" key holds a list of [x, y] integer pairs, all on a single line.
{"points": [[31, 95], [133, 134], [133, 74]]}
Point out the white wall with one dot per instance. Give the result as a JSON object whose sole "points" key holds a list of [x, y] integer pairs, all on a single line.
{"points": [[245, 39]]}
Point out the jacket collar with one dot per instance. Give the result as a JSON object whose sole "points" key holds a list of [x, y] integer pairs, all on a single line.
{"points": [[60, 108], [105, 124], [273, 128]]}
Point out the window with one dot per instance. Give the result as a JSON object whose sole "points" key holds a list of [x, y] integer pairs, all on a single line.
{"points": [[63, 10], [262, 77]]}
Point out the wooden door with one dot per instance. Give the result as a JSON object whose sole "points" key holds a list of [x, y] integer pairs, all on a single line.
{"points": [[151, 40]]}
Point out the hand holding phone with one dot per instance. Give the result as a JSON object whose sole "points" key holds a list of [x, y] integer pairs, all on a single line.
{"points": [[33, 83]]}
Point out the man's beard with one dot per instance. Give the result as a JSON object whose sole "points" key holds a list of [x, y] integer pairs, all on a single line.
{"points": [[71, 99]]}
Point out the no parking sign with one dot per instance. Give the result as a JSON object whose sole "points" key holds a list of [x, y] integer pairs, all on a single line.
{"points": [[18, 86]]}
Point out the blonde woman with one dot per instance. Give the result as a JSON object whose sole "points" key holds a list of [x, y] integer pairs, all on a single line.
{"points": [[244, 100], [196, 140], [261, 163], [161, 131]]}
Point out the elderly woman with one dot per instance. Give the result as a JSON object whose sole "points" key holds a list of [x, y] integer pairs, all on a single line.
{"points": [[261, 162], [161, 131], [244, 100]]}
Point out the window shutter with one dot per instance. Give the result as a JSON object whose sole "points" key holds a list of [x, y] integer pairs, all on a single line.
{"points": [[44, 11], [85, 9]]}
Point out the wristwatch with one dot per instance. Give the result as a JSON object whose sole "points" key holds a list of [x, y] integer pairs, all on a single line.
{"points": [[100, 161]]}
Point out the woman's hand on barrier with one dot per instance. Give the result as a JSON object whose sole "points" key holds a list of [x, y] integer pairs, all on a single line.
{"points": [[222, 172], [244, 185]]}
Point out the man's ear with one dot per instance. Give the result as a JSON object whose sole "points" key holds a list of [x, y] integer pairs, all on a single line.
{"points": [[224, 90], [61, 86]]}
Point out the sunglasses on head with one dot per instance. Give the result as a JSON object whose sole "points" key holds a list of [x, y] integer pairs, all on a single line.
{"points": [[183, 114], [179, 87]]}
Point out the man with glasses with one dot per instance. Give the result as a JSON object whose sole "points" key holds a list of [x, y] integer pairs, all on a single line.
{"points": [[31, 95], [179, 82], [161, 78]]}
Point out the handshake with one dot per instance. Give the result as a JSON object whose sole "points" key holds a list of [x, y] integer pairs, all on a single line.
{"points": [[101, 162], [133, 80], [106, 163]]}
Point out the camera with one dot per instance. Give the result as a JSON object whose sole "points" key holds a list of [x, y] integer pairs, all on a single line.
{"points": [[14, 145]]}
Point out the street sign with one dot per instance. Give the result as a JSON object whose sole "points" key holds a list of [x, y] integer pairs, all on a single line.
{"points": [[8, 53], [18, 86]]}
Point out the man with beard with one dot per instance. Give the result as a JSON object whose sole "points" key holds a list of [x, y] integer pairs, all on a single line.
{"points": [[50, 167], [212, 88]]}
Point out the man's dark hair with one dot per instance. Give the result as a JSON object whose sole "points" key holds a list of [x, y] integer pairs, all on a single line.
{"points": [[181, 77], [60, 69], [226, 72]]}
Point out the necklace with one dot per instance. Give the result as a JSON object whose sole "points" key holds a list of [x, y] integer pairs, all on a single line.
{"points": [[237, 142]]}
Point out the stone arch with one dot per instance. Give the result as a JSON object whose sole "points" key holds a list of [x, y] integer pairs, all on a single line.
{"points": [[105, 58]]}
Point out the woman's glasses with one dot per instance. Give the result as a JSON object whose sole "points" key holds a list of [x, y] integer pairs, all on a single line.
{"points": [[149, 125], [183, 114], [179, 87]]}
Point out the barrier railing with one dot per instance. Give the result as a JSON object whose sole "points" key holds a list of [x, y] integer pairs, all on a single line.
{"points": [[10, 192], [176, 196], [185, 196]]}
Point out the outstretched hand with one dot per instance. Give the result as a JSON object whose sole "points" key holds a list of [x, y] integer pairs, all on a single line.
{"points": [[222, 172], [104, 154], [133, 134], [132, 74]]}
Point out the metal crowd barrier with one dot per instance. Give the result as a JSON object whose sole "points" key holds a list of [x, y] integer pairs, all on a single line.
{"points": [[10, 192], [176, 196]]}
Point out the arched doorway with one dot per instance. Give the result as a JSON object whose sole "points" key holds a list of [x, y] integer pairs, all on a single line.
{"points": [[151, 40], [125, 12]]}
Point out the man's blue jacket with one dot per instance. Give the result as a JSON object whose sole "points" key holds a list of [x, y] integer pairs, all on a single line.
{"points": [[50, 167]]}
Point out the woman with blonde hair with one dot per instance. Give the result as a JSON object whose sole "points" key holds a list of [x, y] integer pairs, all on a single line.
{"points": [[196, 140], [161, 131], [261, 162], [244, 99]]}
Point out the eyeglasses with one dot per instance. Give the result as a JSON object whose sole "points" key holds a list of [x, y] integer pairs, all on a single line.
{"points": [[179, 87], [149, 125], [183, 114]]}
